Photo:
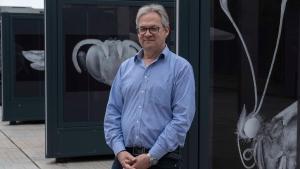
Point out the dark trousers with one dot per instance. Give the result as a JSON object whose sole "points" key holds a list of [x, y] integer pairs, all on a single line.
{"points": [[169, 161]]}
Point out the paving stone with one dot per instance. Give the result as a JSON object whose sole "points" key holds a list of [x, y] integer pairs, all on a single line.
{"points": [[22, 146]]}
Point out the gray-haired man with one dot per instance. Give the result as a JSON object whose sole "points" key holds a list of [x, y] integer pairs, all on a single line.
{"points": [[152, 101]]}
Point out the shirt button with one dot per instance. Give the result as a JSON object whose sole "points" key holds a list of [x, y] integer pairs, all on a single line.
{"points": [[146, 76], [140, 107], [137, 121]]}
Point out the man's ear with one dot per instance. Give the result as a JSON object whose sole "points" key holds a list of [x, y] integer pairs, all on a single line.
{"points": [[167, 29]]}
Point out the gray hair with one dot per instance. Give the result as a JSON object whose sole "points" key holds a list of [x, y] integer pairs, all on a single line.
{"points": [[159, 9]]}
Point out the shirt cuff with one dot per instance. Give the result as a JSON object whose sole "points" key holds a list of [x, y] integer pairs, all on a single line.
{"points": [[157, 152], [118, 147]]}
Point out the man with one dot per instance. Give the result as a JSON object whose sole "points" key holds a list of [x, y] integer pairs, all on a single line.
{"points": [[152, 100]]}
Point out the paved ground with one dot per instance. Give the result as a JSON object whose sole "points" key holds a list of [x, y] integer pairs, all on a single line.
{"points": [[22, 146]]}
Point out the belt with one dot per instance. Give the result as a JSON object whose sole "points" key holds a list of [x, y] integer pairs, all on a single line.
{"points": [[135, 151]]}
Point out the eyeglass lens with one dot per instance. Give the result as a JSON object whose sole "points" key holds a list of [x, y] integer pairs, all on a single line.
{"points": [[152, 30]]}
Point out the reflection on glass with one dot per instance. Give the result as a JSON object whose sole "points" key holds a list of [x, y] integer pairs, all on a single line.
{"points": [[254, 118], [28, 36], [97, 39]]}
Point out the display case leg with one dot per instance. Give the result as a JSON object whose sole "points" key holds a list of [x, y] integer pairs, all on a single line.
{"points": [[12, 123]]}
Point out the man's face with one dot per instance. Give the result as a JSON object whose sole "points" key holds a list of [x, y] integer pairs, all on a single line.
{"points": [[152, 35]]}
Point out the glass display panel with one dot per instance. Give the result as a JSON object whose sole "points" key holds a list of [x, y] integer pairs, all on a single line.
{"points": [[29, 54], [97, 38], [254, 83]]}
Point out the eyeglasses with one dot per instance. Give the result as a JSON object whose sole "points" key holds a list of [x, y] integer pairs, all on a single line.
{"points": [[143, 30]]}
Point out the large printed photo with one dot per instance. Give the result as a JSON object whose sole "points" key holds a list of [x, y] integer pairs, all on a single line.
{"points": [[254, 75]]}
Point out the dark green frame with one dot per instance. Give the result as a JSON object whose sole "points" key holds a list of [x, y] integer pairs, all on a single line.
{"points": [[16, 108], [195, 43], [204, 86]]}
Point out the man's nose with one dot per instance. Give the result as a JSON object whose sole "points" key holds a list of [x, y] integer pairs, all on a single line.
{"points": [[147, 33]]}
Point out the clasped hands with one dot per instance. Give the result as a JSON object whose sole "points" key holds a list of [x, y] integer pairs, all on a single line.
{"points": [[128, 161]]}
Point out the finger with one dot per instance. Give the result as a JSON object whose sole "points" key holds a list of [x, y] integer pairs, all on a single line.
{"points": [[124, 164], [130, 161], [133, 159], [127, 166]]}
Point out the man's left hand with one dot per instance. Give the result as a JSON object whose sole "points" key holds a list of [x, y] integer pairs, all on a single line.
{"points": [[142, 162]]}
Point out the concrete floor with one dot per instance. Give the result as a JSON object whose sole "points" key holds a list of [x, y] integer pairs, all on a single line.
{"points": [[22, 146]]}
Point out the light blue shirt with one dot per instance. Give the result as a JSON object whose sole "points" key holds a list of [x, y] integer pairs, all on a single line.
{"points": [[151, 106]]}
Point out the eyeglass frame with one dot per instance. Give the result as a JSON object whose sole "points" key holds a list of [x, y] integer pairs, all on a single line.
{"points": [[155, 29]]}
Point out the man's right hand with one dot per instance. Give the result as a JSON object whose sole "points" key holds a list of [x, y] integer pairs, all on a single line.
{"points": [[126, 159]]}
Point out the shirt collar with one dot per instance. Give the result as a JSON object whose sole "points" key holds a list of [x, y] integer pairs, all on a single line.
{"points": [[139, 55]]}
